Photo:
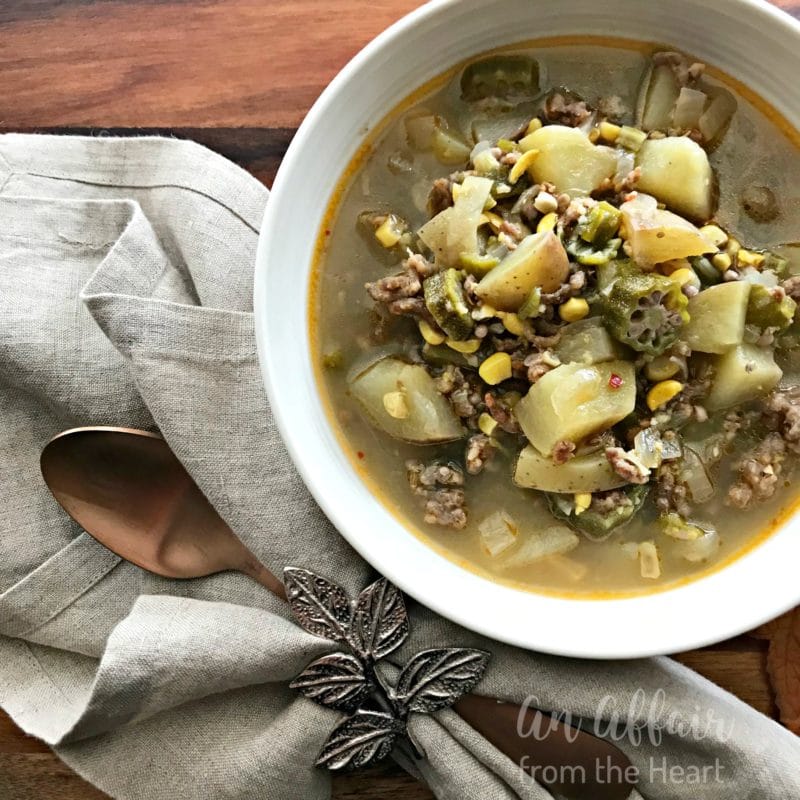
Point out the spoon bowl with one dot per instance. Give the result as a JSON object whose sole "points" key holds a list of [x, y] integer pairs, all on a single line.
{"points": [[127, 489]]}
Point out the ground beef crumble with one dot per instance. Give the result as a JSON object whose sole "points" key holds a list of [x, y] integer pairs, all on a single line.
{"points": [[440, 197], [606, 503], [627, 466], [759, 472], [782, 414], [792, 287], [671, 492], [463, 395], [394, 287], [574, 286], [480, 451], [537, 365], [563, 452], [501, 412], [439, 485], [563, 110]]}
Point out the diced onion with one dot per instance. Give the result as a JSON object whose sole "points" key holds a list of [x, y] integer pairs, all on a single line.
{"points": [[652, 450], [717, 116], [567, 568], [648, 448], [626, 163], [767, 278], [485, 162], [696, 477], [688, 109], [649, 563], [671, 449], [552, 541], [700, 549], [480, 148], [498, 533], [692, 542], [631, 550]]}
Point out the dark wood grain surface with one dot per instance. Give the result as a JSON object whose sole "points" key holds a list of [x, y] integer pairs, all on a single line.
{"points": [[238, 76]]}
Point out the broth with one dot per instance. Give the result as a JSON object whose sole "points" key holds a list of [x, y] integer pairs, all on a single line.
{"points": [[395, 178]]}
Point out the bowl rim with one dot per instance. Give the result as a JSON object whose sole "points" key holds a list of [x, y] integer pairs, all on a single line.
{"points": [[387, 561]]}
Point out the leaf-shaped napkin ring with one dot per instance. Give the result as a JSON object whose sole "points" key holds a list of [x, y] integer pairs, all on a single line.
{"points": [[372, 627]]}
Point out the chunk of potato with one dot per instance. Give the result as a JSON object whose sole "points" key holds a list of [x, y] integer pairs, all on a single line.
{"points": [[742, 374], [428, 416], [656, 235], [575, 401], [717, 317], [454, 231], [540, 260], [568, 159], [587, 342], [677, 171], [590, 473]]}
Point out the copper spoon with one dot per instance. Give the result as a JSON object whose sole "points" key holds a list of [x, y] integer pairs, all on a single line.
{"points": [[127, 489]]}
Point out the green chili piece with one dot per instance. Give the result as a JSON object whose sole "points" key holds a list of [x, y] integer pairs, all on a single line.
{"points": [[775, 263], [586, 255], [442, 356], [478, 265], [447, 302], [709, 275], [766, 309], [602, 224], [631, 138], [530, 308]]}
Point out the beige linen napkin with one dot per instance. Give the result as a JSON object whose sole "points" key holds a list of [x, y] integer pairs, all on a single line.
{"points": [[125, 299]]}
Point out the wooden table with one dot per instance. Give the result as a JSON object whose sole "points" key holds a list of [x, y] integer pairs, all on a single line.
{"points": [[238, 76]]}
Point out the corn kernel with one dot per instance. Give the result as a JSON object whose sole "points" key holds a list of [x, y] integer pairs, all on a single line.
{"points": [[747, 258], [662, 393], [534, 125], [573, 310], [494, 220], [487, 424], [668, 267], [496, 369], [594, 136], [467, 348], [388, 233], [609, 132], [430, 335], [512, 323], [733, 246], [547, 223], [661, 368], [524, 162], [484, 311], [582, 503], [722, 261], [685, 277], [455, 190], [715, 235], [395, 405]]}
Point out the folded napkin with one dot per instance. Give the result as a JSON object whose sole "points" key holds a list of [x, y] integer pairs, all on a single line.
{"points": [[125, 298]]}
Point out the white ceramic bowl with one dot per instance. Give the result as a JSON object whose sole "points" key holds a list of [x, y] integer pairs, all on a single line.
{"points": [[749, 40]]}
